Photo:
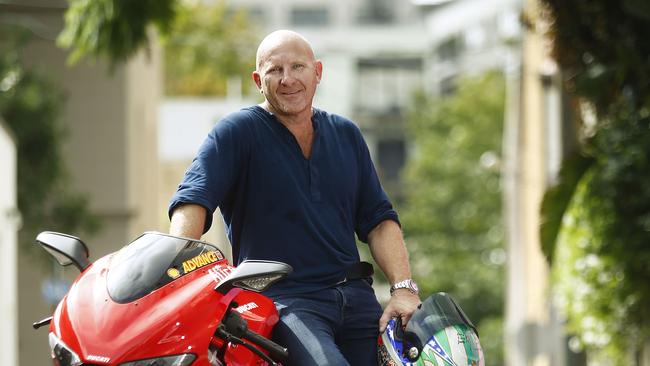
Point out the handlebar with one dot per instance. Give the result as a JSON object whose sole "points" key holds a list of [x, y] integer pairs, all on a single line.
{"points": [[277, 352], [235, 326]]}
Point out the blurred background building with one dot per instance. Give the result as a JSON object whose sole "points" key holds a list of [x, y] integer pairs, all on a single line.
{"points": [[110, 154]]}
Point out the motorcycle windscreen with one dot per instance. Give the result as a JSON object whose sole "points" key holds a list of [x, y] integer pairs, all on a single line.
{"points": [[154, 260], [436, 313]]}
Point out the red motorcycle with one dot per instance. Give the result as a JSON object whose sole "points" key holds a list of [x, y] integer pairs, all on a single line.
{"points": [[162, 301]]}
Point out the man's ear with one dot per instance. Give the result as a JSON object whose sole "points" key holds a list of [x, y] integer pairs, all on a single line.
{"points": [[257, 79], [319, 70]]}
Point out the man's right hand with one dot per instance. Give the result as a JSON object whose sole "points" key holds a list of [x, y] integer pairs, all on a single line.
{"points": [[402, 304]]}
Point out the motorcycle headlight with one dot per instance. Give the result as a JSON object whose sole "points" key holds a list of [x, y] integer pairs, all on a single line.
{"points": [[62, 354], [178, 360]]}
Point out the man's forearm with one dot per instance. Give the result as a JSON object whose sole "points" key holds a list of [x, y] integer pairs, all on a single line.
{"points": [[188, 221], [387, 247]]}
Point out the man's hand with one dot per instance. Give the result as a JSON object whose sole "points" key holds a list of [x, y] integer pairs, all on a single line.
{"points": [[402, 304]]}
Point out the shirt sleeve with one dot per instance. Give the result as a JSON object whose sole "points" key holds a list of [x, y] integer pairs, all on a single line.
{"points": [[373, 205], [213, 173]]}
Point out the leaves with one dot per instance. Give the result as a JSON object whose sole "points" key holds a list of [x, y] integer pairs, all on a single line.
{"points": [[602, 48], [31, 106], [637, 8], [601, 272], [452, 210], [601, 278], [208, 45], [557, 198], [114, 29]]}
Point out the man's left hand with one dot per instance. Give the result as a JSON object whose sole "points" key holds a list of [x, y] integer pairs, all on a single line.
{"points": [[402, 304]]}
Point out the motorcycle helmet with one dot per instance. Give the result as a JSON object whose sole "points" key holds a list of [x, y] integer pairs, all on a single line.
{"points": [[438, 334]]}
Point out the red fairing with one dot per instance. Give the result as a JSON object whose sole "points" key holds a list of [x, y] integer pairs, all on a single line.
{"points": [[261, 315], [179, 317]]}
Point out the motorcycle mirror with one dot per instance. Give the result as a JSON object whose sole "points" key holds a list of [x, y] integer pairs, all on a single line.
{"points": [[254, 275], [66, 249]]}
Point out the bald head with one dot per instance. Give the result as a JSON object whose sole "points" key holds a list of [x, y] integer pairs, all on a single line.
{"points": [[287, 74], [279, 39]]}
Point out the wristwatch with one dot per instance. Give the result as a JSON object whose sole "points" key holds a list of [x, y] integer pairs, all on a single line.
{"points": [[408, 284]]}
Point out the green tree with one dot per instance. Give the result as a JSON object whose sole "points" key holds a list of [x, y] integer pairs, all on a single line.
{"points": [[597, 220], [113, 29], [31, 106], [207, 46], [452, 211]]}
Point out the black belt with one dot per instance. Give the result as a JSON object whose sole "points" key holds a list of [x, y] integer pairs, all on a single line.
{"points": [[357, 271]]}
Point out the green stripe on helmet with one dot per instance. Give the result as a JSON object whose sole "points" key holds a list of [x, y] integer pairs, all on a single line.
{"points": [[442, 339], [427, 358], [463, 332]]}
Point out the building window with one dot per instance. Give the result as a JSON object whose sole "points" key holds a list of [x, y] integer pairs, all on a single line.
{"points": [[257, 15], [376, 12], [254, 14], [450, 49], [391, 156], [448, 86], [475, 38], [310, 16], [386, 86]]}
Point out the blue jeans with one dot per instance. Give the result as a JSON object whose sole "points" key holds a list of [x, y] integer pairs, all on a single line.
{"points": [[336, 326]]}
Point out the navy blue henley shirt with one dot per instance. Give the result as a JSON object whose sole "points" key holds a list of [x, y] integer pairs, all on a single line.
{"points": [[279, 205]]}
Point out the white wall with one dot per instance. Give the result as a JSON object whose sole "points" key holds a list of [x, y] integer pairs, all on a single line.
{"points": [[9, 221]]}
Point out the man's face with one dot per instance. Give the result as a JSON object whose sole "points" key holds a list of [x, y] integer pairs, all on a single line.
{"points": [[288, 75]]}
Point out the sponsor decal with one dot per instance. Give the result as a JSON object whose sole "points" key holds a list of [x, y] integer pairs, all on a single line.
{"points": [[173, 273], [219, 255], [246, 307], [219, 273], [201, 260], [101, 359]]}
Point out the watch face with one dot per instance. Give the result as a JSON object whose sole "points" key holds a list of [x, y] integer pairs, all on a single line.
{"points": [[414, 286]]}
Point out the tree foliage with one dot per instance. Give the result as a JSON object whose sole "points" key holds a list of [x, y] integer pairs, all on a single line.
{"points": [[601, 272], [207, 45], [113, 29], [557, 199], [31, 105], [602, 47], [452, 213]]}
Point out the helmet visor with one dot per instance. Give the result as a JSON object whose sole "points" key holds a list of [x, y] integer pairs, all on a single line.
{"points": [[437, 312]]}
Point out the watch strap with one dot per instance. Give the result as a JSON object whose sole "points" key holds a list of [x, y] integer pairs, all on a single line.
{"points": [[408, 284]]}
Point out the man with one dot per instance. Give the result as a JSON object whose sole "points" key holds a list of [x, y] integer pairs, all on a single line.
{"points": [[295, 184]]}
